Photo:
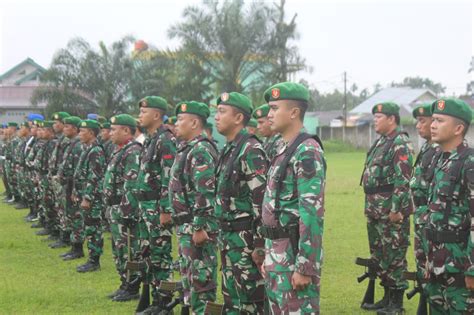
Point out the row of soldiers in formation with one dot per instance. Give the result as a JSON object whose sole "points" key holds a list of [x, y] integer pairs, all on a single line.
{"points": [[438, 188], [260, 203]]}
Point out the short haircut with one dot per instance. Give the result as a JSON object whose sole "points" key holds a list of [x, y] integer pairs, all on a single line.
{"points": [[239, 111], [397, 118], [465, 124], [95, 131], [302, 105]]}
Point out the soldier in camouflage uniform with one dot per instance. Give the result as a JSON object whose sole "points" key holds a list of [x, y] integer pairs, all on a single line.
{"points": [[450, 227], [293, 207], [41, 166], [29, 147], [34, 174], [156, 159], [272, 138], [240, 183], [120, 181], [10, 160], [423, 172], [54, 162], [192, 185], [88, 180], [65, 177], [388, 206], [21, 178], [106, 142]]}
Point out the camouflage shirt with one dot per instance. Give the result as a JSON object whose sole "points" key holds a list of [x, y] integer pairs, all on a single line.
{"points": [[89, 172], [389, 167], [157, 157], [241, 195], [192, 185], [271, 145], [457, 256], [301, 203], [41, 163], [120, 179], [69, 160], [56, 158]]}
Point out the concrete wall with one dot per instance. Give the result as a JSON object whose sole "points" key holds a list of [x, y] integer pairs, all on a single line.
{"points": [[363, 136]]}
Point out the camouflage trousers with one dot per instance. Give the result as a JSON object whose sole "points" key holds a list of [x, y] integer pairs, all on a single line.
{"points": [[420, 241], [120, 235], [92, 230], [46, 209], [449, 299], [198, 268], [388, 244], [242, 285], [158, 239], [66, 209], [11, 178], [77, 223], [21, 179]]}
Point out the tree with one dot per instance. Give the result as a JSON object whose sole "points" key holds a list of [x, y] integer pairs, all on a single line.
{"points": [[421, 83]]}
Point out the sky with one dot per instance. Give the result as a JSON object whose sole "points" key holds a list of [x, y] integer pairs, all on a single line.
{"points": [[373, 41]]}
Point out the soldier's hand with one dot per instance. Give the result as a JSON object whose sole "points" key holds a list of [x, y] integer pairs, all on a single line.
{"points": [[165, 219], [200, 237], [85, 204], [299, 281], [258, 256], [469, 283], [395, 217]]}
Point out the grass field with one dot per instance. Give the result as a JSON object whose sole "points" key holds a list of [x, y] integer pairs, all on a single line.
{"points": [[34, 280]]}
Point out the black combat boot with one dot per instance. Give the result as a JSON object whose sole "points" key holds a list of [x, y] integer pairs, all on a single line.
{"points": [[92, 264], [120, 290], [43, 232], [62, 242], [185, 310], [159, 304], [77, 252], [132, 292], [395, 307], [380, 304]]}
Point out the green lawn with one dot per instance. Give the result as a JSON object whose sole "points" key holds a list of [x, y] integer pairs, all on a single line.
{"points": [[34, 280]]}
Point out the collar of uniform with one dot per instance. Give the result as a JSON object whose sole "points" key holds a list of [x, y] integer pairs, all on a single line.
{"points": [[393, 133], [237, 138], [454, 154], [184, 144]]}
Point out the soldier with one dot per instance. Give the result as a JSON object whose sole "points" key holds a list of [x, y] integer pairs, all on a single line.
{"points": [[10, 161], [31, 161], [55, 160], [155, 214], [450, 228], [252, 126], [170, 123], [272, 138], [29, 146], [423, 171], [41, 165], [65, 177], [240, 183], [293, 206], [120, 182], [21, 178], [192, 185], [88, 180], [106, 142], [385, 179]]}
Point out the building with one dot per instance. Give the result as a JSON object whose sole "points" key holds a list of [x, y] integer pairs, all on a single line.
{"points": [[16, 88], [407, 98]]}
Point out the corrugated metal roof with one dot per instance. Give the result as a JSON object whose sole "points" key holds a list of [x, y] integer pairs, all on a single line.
{"points": [[404, 97]]}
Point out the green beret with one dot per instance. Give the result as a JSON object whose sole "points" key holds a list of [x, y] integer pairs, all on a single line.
{"points": [[60, 116], [12, 124], [287, 91], [387, 108], [453, 107], [261, 111], [105, 125], [89, 123], [238, 100], [72, 120], [252, 123], [192, 107], [154, 102], [423, 110], [47, 124], [123, 120], [171, 120], [25, 124]]}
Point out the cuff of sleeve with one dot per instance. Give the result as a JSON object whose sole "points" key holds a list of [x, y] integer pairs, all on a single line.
{"points": [[305, 269]]}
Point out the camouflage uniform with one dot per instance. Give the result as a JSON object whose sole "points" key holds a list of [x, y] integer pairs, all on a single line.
{"points": [[156, 159], [20, 174], [66, 171], [450, 233], [271, 145], [119, 184], [423, 172], [41, 166], [34, 173], [192, 187], [386, 177], [301, 208], [11, 165], [87, 185], [238, 206], [109, 148]]}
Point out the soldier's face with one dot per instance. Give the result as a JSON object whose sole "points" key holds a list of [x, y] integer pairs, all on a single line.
{"points": [[445, 128], [118, 134], [264, 127], [69, 130], [148, 116], [105, 134], [280, 115], [423, 125], [58, 126], [85, 134], [184, 126], [381, 123], [226, 119]]}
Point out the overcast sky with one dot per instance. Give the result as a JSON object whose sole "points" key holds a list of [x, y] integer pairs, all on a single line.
{"points": [[374, 41]]}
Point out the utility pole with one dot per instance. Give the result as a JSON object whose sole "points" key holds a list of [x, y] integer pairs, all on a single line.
{"points": [[344, 109]]}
